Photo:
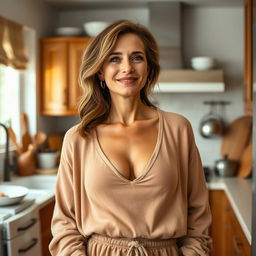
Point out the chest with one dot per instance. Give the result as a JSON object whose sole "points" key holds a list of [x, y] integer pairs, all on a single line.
{"points": [[129, 149]]}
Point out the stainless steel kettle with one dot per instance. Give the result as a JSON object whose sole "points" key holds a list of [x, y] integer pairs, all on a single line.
{"points": [[226, 167]]}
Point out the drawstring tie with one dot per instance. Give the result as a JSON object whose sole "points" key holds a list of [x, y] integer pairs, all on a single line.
{"points": [[137, 248]]}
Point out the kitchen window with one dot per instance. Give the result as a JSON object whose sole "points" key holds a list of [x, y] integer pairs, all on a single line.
{"points": [[13, 74], [9, 99]]}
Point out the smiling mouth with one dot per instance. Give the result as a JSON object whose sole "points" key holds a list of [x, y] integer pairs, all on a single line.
{"points": [[127, 80]]}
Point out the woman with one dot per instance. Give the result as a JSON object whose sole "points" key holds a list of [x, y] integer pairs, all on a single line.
{"points": [[130, 181]]}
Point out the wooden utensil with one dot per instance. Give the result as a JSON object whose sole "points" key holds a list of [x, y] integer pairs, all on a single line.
{"points": [[26, 162], [245, 167], [39, 139], [236, 138], [55, 142], [13, 138], [25, 137]]}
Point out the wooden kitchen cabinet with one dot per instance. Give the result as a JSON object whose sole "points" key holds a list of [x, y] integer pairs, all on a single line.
{"points": [[45, 221], [227, 234], [217, 204], [248, 56], [60, 64]]}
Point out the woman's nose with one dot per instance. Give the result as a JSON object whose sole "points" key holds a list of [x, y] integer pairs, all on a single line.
{"points": [[127, 66]]}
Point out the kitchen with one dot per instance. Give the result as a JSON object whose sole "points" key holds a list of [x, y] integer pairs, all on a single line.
{"points": [[215, 29]]}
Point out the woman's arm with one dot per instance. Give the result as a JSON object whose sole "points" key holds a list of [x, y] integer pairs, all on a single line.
{"points": [[197, 241], [67, 240]]}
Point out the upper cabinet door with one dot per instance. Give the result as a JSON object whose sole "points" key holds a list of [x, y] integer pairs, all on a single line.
{"points": [[76, 50], [61, 59], [54, 78]]}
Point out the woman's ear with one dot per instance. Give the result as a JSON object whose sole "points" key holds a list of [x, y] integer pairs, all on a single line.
{"points": [[101, 75]]}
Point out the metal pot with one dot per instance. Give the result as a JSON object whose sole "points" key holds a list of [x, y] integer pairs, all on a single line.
{"points": [[226, 167], [211, 126]]}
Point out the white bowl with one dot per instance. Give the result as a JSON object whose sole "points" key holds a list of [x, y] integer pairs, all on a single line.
{"points": [[202, 63], [93, 28], [69, 31], [47, 160], [14, 194]]}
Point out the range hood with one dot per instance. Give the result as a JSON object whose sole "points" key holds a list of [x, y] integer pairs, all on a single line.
{"points": [[165, 24]]}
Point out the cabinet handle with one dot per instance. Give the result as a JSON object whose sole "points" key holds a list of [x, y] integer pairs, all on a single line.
{"points": [[236, 243], [33, 243], [32, 222]]}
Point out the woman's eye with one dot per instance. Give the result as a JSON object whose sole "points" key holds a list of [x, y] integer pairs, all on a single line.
{"points": [[137, 58], [114, 59]]}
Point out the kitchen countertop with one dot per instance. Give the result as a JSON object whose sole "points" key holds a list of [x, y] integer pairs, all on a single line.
{"points": [[239, 193], [41, 195]]}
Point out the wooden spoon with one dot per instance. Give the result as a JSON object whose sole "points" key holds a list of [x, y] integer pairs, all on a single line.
{"points": [[39, 138], [25, 137], [13, 138]]}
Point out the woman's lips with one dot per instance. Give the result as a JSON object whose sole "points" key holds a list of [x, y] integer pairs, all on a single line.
{"points": [[127, 80]]}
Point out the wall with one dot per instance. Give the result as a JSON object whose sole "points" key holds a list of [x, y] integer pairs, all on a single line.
{"points": [[32, 13], [218, 33], [206, 31], [78, 17]]}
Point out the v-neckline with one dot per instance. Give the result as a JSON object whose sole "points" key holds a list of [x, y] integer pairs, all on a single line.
{"points": [[150, 161]]}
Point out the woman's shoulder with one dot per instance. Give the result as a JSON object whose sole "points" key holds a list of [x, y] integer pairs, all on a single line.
{"points": [[175, 119], [72, 133], [73, 136]]}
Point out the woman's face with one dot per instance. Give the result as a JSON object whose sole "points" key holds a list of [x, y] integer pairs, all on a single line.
{"points": [[125, 70]]}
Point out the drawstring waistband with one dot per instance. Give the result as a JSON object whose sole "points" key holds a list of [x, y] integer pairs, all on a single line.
{"points": [[137, 248], [133, 246]]}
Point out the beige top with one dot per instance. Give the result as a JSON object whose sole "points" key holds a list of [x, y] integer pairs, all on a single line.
{"points": [[168, 200]]}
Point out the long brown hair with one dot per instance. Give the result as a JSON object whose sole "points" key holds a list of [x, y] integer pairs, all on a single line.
{"points": [[95, 102]]}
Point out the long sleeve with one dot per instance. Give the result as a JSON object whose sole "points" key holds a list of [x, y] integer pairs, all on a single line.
{"points": [[197, 241], [67, 240]]}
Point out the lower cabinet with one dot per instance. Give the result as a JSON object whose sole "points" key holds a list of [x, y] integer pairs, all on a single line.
{"points": [[227, 234], [45, 219]]}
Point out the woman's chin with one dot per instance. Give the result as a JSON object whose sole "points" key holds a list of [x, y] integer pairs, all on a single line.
{"points": [[127, 92]]}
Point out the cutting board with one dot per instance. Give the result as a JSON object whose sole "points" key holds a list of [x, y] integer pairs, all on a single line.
{"points": [[236, 138], [245, 166]]}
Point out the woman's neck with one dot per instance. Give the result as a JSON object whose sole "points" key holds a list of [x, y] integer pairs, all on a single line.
{"points": [[127, 110]]}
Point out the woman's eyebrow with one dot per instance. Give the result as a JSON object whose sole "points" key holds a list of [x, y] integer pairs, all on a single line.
{"points": [[115, 53], [138, 52], [119, 53]]}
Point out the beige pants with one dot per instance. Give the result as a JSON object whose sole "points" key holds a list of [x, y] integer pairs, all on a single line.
{"points": [[98, 245]]}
